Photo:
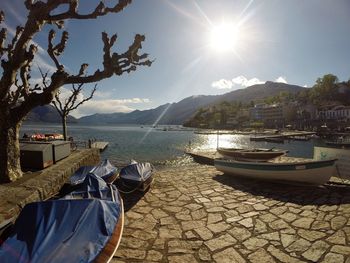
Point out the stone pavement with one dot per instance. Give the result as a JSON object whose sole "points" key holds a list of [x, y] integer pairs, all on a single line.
{"points": [[196, 214]]}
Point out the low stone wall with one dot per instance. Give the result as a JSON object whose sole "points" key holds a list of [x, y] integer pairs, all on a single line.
{"points": [[43, 184]]}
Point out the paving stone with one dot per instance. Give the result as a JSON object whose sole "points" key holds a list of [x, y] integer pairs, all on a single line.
{"points": [[130, 253], [271, 236], [278, 224], [240, 233], [338, 238], [189, 225], [159, 213], [315, 252], [338, 222], [183, 246], [320, 225], [204, 233], [182, 259], [300, 245], [254, 243], [229, 255], [250, 214], [248, 222], [260, 207], [199, 214], [154, 255], [268, 218], [333, 258], [344, 250], [278, 210], [260, 226], [204, 254], [281, 256], [311, 235], [218, 227], [303, 222], [260, 256], [214, 218], [287, 239], [288, 217], [220, 242], [190, 235]]}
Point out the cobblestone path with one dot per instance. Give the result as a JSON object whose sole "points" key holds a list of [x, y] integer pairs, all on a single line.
{"points": [[196, 214]]}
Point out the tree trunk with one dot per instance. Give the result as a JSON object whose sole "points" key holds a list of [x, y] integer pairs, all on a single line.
{"points": [[64, 126], [10, 167]]}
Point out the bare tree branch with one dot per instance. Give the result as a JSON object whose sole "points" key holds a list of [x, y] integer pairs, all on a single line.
{"points": [[117, 63], [100, 10]]}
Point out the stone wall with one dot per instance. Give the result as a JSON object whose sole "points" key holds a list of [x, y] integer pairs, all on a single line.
{"points": [[43, 184]]}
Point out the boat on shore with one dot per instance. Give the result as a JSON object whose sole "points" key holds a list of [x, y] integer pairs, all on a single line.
{"points": [[104, 169], [135, 176], [84, 226], [251, 154], [284, 169]]}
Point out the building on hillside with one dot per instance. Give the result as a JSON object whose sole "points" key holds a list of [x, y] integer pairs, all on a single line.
{"points": [[336, 113], [256, 113]]}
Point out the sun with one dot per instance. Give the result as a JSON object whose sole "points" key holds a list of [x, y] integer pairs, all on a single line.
{"points": [[224, 37]]}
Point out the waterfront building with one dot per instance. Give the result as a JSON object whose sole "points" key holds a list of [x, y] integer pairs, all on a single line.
{"points": [[336, 113]]}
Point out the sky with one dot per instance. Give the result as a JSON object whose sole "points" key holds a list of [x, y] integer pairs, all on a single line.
{"points": [[201, 47]]}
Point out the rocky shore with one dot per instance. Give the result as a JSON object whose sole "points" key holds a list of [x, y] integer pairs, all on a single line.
{"points": [[196, 214]]}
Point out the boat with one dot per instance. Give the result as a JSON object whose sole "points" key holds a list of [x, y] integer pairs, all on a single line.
{"points": [[284, 169], [274, 139], [340, 142], [104, 169], [135, 176], [299, 138], [251, 154], [84, 226]]}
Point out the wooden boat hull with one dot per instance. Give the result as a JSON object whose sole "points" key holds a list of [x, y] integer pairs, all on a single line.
{"points": [[257, 154], [312, 172]]}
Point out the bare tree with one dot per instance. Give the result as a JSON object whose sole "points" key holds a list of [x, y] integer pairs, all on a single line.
{"points": [[18, 96], [65, 105]]}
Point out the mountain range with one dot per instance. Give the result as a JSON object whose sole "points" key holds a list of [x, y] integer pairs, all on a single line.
{"points": [[179, 112], [46, 113]]}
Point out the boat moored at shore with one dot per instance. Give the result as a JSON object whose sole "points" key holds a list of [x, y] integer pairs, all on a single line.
{"points": [[257, 154], [285, 169]]}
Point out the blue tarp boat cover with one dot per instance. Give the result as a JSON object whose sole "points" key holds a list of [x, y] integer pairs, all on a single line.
{"points": [[64, 230], [136, 171], [104, 169], [95, 187]]}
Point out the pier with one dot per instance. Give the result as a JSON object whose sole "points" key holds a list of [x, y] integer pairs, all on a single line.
{"points": [[101, 146]]}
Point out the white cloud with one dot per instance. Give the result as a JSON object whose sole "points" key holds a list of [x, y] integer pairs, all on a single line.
{"points": [[243, 81], [281, 80], [222, 84], [106, 106], [305, 86]]}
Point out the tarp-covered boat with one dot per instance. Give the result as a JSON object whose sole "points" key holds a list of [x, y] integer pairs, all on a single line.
{"points": [[104, 169], [84, 226], [137, 175]]}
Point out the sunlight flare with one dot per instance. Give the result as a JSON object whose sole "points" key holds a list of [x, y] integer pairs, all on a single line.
{"points": [[224, 37]]}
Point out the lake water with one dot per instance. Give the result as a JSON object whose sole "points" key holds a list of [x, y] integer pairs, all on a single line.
{"points": [[144, 143]]}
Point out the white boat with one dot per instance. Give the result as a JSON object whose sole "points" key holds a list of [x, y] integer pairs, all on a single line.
{"points": [[251, 154], [287, 169]]}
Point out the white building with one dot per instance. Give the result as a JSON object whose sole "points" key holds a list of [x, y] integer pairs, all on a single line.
{"points": [[338, 112]]}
